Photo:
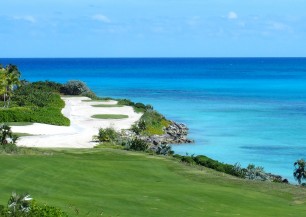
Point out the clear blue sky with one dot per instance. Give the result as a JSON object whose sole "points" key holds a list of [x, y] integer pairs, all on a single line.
{"points": [[152, 28]]}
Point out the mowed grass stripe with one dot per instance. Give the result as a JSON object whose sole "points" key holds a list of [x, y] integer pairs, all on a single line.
{"points": [[108, 106], [109, 116], [121, 183]]}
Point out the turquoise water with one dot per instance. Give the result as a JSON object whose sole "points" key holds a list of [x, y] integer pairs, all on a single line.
{"points": [[238, 110]]}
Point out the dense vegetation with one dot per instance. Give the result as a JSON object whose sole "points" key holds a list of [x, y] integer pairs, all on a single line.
{"points": [[150, 123], [35, 102], [108, 182], [7, 140], [40, 102], [22, 205], [9, 80]]}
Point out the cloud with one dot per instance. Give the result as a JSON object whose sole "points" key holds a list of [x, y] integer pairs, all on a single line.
{"points": [[194, 21], [101, 18], [27, 18], [278, 26], [232, 15]]}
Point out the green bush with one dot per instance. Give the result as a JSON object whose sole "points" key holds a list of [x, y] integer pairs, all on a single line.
{"points": [[216, 165], [139, 127], [234, 170], [75, 87], [187, 159], [7, 140], [107, 135], [43, 210], [23, 206], [154, 123], [47, 115], [137, 145], [126, 102], [36, 102], [49, 86]]}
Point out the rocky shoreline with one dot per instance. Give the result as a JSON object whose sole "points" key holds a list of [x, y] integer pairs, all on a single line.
{"points": [[175, 133]]}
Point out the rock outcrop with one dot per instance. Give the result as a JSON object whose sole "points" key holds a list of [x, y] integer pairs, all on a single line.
{"points": [[175, 133]]}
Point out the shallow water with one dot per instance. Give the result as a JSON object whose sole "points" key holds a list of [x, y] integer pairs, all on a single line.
{"points": [[238, 110]]}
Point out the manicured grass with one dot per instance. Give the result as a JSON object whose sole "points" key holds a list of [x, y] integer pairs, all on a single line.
{"points": [[23, 134], [19, 123], [109, 116], [107, 106], [111, 182], [92, 100]]}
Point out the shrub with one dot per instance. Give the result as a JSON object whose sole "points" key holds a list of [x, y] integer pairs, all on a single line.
{"points": [[164, 150], [43, 210], [36, 102], [187, 159], [7, 139], [126, 102], [49, 86], [255, 173], [75, 87], [24, 206], [137, 145], [139, 127], [107, 135], [154, 123]]}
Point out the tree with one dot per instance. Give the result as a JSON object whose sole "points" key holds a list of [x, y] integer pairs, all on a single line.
{"points": [[9, 80], [299, 170]]}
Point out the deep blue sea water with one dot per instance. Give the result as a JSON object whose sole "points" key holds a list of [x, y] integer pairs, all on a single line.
{"points": [[238, 110]]}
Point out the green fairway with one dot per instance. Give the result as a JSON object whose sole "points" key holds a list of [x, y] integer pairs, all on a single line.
{"points": [[107, 106], [111, 182], [109, 116]]}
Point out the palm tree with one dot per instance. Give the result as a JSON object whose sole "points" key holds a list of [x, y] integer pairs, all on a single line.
{"points": [[3, 82], [9, 79], [19, 203], [299, 171]]}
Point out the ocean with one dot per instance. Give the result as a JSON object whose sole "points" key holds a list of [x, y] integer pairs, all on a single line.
{"points": [[245, 110]]}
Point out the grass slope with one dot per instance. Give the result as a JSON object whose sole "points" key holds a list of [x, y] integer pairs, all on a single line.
{"points": [[120, 183]]}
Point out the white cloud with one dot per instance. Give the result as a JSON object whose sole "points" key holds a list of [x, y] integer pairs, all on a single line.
{"points": [[27, 18], [101, 18], [232, 15], [278, 26]]}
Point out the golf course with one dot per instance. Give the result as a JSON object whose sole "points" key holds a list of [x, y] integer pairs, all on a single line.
{"points": [[109, 182]]}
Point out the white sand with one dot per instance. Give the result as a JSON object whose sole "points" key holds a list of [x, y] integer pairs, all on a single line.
{"points": [[82, 128]]}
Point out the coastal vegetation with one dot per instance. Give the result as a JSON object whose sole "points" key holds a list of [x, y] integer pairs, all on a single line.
{"points": [[300, 171], [40, 102], [29, 102], [122, 183]]}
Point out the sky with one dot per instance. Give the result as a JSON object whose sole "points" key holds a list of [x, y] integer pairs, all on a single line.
{"points": [[152, 28]]}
